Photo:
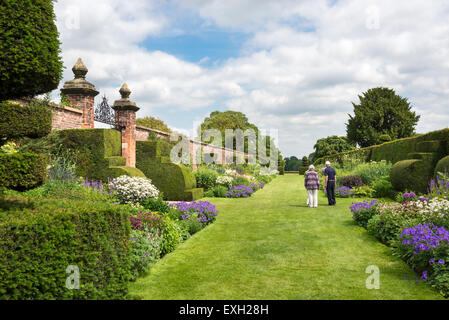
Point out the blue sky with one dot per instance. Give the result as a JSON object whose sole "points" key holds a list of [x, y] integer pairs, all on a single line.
{"points": [[290, 65]]}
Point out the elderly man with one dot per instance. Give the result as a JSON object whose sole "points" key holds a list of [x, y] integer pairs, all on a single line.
{"points": [[331, 182]]}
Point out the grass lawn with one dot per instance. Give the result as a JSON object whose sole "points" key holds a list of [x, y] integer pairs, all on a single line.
{"points": [[272, 246]]}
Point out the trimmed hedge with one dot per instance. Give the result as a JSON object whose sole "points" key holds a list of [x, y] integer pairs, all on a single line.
{"points": [[436, 142], [175, 181], [411, 175], [17, 121], [22, 171], [97, 153], [442, 166], [40, 239]]}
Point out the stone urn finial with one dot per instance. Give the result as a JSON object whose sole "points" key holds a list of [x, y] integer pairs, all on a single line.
{"points": [[79, 69], [124, 91]]}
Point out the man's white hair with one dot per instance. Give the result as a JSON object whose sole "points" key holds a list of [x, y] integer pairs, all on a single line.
{"points": [[328, 163]]}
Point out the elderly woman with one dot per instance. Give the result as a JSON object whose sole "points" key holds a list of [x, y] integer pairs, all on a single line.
{"points": [[312, 184]]}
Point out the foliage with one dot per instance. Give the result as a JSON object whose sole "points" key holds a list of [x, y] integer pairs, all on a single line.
{"points": [[240, 180], [41, 238], [171, 236], [156, 204], [292, 163], [135, 190], [224, 181], [205, 178], [29, 49], [145, 250], [62, 166], [22, 171], [332, 145], [18, 121], [383, 189], [153, 123], [228, 120], [371, 171], [362, 212], [352, 181], [217, 191], [9, 148], [363, 192], [380, 112]]}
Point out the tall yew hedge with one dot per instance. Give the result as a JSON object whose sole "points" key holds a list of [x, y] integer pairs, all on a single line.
{"points": [[29, 48]]}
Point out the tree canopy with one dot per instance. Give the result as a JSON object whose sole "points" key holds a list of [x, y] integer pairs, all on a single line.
{"points": [[292, 163], [153, 123], [331, 145], [381, 112], [29, 48]]}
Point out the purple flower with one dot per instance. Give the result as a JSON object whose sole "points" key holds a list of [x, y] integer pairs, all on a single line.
{"points": [[432, 260], [424, 275], [441, 261]]}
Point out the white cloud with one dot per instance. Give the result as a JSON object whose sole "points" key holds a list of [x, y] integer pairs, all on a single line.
{"points": [[304, 64]]}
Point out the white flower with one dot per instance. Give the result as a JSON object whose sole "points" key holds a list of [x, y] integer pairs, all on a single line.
{"points": [[224, 180], [134, 190]]}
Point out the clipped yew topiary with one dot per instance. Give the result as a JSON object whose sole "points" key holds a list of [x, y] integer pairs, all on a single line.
{"points": [[43, 243], [442, 166], [29, 48], [22, 171], [18, 121], [411, 175], [175, 181], [304, 165]]}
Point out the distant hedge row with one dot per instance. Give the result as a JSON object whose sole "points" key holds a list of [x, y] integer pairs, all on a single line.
{"points": [[39, 240], [436, 142]]}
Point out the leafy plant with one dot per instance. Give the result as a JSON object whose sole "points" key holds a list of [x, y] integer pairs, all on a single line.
{"points": [[205, 178], [145, 250], [350, 181], [383, 188], [371, 171], [156, 204]]}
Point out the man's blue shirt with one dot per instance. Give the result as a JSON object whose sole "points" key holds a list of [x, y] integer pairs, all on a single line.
{"points": [[330, 173]]}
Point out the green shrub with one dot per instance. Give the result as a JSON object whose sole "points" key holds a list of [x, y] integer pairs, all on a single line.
{"points": [[17, 121], [184, 228], [383, 189], [387, 226], [205, 178], [22, 171], [217, 192], [171, 236], [350, 181], [29, 48], [145, 250], [156, 204], [371, 171], [363, 192], [240, 180], [411, 175], [194, 224], [39, 239]]}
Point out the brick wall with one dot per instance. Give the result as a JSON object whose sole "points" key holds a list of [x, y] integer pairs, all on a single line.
{"points": [[66, 118]]}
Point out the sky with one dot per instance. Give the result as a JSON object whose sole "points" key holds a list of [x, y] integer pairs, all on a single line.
{"points": [[293, 67]]}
